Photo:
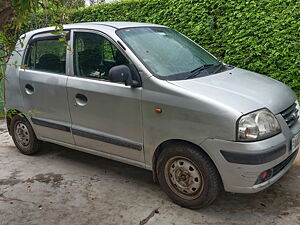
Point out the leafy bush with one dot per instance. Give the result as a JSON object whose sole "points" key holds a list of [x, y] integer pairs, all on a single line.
{"points": [[258, 35]]}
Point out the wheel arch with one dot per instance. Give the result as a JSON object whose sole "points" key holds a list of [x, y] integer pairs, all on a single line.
{"points": [[10, 114], [160, 148]]}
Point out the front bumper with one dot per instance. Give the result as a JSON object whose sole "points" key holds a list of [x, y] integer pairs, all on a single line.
{"points": [[241, 163]]}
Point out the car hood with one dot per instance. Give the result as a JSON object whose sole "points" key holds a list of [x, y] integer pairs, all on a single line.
{"points": [[241, 90]]}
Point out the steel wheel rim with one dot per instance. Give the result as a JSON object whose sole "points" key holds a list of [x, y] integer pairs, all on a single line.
{"points": [[22, 134], [184, 178]]}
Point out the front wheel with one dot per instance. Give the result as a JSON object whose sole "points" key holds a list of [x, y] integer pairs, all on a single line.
{"points": [[188, 176], [24, 136]]}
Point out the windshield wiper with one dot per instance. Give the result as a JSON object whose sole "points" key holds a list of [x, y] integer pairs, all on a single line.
{"points": [[196, 71], [219, 67]]}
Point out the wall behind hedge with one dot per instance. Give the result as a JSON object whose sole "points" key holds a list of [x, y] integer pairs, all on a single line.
{"points": [[259, 35]]}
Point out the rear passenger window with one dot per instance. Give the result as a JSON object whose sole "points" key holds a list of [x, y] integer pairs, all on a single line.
{"points": [[47, 55]]}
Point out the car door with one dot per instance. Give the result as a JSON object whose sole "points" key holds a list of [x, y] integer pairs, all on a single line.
{"points": [[43, 88], [106, 116]]}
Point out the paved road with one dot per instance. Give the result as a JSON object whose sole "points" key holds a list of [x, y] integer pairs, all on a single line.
{"points": [[67, 187]]}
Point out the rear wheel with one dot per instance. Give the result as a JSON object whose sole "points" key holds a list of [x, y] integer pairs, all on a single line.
{"points": [[24, 136], [188, 176]]}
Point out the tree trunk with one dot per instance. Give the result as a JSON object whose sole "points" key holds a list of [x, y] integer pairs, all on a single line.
{"points": [[6, 13]]}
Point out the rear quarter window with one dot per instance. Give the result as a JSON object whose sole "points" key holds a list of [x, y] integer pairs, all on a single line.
{"points": [[46, 55]]}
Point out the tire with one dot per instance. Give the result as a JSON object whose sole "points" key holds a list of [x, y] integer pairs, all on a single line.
{"points": [[23, 135], [188, 176]]}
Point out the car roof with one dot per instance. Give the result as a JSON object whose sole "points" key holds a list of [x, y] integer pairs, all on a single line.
{"points": [[95, 25], [120, 25]]}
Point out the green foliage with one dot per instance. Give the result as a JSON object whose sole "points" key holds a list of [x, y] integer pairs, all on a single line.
{"points": [[20, 10], [73, 4], [95, 2], [42, 18]]}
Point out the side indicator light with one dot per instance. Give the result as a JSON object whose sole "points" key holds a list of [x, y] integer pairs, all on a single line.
{"points": [[158, 110]]}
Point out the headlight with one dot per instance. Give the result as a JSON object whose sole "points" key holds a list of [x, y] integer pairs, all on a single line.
{"points": [[257, 126]]}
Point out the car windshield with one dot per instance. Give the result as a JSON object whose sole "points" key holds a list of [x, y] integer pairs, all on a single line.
{"points": [[169, 54]]}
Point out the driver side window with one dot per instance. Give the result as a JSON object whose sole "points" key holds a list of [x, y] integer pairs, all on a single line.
{"points": [[94, 56]]}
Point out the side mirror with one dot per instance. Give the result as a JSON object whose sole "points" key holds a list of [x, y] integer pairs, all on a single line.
{"points": [[122, 74]]}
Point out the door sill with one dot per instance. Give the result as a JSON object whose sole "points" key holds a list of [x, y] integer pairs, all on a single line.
{"points": [[96, 152]]}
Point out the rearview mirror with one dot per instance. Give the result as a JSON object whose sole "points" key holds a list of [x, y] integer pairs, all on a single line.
{"points": [[121, 74]]}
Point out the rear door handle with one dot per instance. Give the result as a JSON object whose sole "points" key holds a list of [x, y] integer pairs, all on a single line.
{"points": [[29, 89], [80, 100]]}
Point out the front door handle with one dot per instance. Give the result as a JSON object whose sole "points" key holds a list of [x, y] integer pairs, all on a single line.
{"points": [[29, 89], [80, 100]]}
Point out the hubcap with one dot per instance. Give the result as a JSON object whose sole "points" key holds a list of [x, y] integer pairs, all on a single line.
{"points": [[184, 178], [22, 134]]}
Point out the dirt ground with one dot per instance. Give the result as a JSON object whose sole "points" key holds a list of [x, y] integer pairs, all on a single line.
{"points": [[67, 187]]}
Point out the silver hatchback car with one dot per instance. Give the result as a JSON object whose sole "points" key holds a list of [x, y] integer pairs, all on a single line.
{"points": [[146, 95]]}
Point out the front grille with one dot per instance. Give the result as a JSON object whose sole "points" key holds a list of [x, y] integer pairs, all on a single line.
{"points": [[291, 115], [276, 169]]}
